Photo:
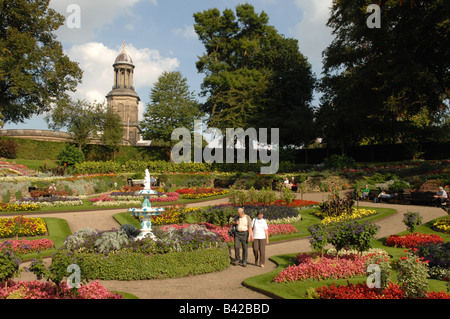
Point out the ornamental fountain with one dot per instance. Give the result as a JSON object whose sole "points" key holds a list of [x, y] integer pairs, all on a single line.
{"points": [[147, 211]]}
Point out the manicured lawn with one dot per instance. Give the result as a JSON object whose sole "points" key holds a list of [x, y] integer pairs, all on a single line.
{"points": [[298, 289]]}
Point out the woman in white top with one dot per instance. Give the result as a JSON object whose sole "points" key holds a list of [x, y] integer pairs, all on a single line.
{"points": [[260, 238]]}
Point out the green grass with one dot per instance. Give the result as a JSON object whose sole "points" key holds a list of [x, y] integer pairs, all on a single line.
{"points": [[297, 290]]}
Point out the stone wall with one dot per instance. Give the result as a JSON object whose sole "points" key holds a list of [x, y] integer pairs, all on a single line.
{"points": [[41, 135]]}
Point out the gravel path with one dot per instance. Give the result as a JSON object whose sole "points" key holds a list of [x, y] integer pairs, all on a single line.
{"points": [[226, 284]]}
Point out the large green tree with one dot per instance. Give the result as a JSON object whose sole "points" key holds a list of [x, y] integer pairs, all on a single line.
{"points": [[385, 84], [172, 105], [254, 77], [34, 71], [83, 120]]}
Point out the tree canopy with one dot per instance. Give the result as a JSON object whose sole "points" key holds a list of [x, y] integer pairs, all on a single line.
{"points": [[385, 84], [254, 77], [34, 71], [172, 105]]}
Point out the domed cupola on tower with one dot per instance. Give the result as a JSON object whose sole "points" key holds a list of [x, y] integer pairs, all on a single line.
{"points": [[123, 99]]}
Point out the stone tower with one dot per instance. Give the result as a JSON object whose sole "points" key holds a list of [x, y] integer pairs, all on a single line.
{"points": [[123, 99]]}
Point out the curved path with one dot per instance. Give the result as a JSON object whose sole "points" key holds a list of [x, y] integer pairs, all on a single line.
{"points": [[226, 284]]}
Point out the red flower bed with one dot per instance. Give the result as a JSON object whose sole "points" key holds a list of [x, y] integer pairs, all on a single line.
{"points": [[413, 240], [361, 291]]}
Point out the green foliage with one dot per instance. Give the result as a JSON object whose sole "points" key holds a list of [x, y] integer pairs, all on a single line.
{"points": [[130, 230], [137, 266], [75, 240], [255, 77], [352, 234], [287, 195], [34, 71], [385, 268], [219, 215], [369, 94], [8, 148], [110, 241], [413, 275], [339, 161], [398, 185], [9, 265], [172, 106], [412, 220], [336, 205], [70, 156], [319, 237]]}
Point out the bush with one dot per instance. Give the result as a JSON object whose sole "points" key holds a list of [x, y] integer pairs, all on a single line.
{"points": [[412, 220], [137, 266], [352, 234], [130, 230], [9, 265], [413, 276], [339, 161], [70, 156], [8, 148], [398, 185]]}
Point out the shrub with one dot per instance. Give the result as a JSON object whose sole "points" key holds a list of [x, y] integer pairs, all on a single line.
{"points": [[412, 220], [319, 237], [137, 266], [336, 205], [9, 265], [70, 156], [339, 161], [130, 230], [352, 234], [382, 260], [111, 240], [8, 148], [412, 276], [438, 255], [398, 185]]}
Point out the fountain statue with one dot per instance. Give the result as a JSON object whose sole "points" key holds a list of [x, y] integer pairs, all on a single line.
{"points": [[147, 211]]}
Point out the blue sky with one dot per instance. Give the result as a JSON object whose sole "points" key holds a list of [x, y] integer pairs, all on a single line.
{"points": [[159, 37]]}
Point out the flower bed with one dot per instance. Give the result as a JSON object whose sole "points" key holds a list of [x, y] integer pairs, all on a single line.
{"points": [[4, 207], [321, 268], [25, 246], [442, 225], [223, 231], [47, 290], [362, 291], [135, 199], [412, 240], [22, 226], [54, 201], [198, 193], [355, 214], [48, 192]]}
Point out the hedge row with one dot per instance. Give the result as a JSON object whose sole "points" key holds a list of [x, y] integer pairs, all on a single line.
{"points": [[136, 266], [133, 166]]}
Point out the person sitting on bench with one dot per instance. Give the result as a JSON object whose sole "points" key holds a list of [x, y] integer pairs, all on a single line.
{"points": [[365, 192], [440, 197], [382, 196]]}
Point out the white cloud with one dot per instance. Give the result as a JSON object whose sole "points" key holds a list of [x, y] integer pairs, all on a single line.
{"points": [[187, 32], [313, 34], [94, 15], [96, 61]]}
